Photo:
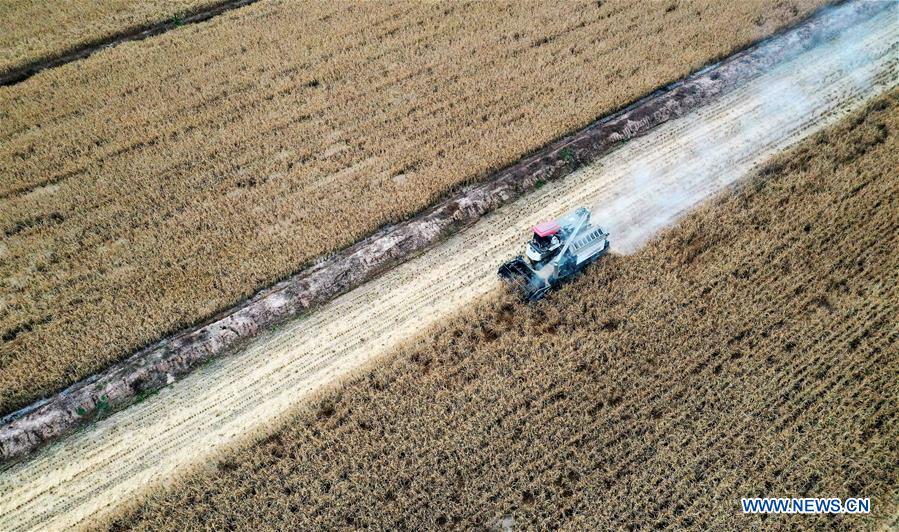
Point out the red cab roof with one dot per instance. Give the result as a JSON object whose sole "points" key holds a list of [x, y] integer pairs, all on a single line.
{"points": [[547, 228]]}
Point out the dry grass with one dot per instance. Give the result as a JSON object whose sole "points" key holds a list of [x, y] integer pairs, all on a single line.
{"points": [[156, 183], [32, 30], [750, 351]]}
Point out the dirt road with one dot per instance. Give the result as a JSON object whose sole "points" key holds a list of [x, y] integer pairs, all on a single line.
{"points": [[636, 190]]}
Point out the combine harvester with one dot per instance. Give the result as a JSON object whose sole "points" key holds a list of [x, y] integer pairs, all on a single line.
{"points": [[558, 250]]}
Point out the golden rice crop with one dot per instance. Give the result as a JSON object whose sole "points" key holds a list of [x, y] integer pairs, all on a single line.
{"points": [[158, 182], [748, 352], [32, 30]]}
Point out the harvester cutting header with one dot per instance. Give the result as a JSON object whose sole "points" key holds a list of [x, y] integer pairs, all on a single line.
{"points": [[557, 250]]}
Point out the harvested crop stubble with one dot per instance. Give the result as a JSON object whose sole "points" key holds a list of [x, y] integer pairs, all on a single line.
{"points": [[750, 351], [152, 185], [31, 30]]}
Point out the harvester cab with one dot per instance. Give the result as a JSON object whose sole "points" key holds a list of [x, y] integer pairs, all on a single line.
{"points": [[558, 249], [545, 241]]}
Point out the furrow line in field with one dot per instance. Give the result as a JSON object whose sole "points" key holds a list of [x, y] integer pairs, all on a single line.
{"points": [[22, 73]]}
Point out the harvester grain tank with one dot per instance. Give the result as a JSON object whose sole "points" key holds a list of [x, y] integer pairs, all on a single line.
{"points": [[558, 249]]}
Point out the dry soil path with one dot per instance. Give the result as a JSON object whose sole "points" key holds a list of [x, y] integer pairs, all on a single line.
{"points": [[635, 191]]}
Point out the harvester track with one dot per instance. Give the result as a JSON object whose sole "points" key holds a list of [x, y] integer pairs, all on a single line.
{"points": [[635, 191]]}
